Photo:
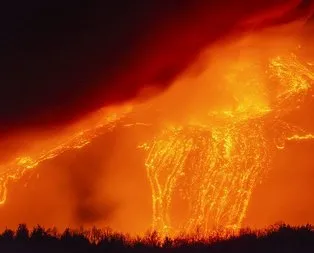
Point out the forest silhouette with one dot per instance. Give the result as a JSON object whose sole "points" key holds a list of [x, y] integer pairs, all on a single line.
{"points": [[277, 238]]}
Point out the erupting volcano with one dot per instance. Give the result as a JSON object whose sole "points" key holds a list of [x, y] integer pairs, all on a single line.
{"points": [[214, 131], [212, 163]]}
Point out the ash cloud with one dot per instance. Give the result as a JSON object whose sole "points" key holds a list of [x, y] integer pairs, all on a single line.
{"points": [[61, 60]]}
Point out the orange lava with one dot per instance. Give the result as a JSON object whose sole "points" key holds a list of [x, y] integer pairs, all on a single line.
{"points": [[221, 123], [77, 138]]}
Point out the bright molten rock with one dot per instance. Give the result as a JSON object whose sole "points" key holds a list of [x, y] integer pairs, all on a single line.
{"points": [[208, 164], [215, 168]]}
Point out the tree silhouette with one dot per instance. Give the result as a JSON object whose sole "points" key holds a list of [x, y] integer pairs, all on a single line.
{"points": [[278, 238]]}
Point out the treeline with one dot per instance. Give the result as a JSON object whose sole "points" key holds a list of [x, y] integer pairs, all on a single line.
{"points": [[280, 238]]}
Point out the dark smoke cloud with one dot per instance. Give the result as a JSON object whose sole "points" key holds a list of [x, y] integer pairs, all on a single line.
{"points": [[62, 59]]}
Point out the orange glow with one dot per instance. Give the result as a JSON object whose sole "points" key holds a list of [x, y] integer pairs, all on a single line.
{"points": [[102, 121], [300, 137], [217, 166], [221, 124]]}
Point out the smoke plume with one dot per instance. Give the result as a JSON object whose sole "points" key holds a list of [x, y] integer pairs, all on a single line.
{"points": [[61, 60]]}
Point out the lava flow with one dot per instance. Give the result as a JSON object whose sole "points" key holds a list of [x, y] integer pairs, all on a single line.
{"points": [[216, 167], [103, 121], [213, 159]]}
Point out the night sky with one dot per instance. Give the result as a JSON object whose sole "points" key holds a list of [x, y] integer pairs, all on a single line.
{"points": [[62, 59]]}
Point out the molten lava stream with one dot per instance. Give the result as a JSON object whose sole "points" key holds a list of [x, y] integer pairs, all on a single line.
{"points": [[76, 137], [213, 164], [216, 167], [217, 171]]}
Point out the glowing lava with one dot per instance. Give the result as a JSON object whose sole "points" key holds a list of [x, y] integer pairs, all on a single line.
{"points": [[216, 167], [103, 120], [301, 137], [212, 164], [215, 170]]}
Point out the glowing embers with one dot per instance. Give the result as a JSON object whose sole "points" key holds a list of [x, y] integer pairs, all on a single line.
{"points": [[214, 170]]}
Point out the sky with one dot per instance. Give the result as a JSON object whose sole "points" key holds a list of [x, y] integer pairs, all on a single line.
{"points": [[61, 60]]}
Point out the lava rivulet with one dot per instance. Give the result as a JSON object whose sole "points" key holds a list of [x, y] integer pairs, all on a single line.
{"points": [[206, 165], [104, 120], [297, 137]]}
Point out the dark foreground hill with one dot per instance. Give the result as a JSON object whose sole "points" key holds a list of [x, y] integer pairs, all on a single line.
{"points": [[279, 238]]}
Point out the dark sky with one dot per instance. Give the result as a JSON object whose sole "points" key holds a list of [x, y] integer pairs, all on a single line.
{"points": [[62, 59]]}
